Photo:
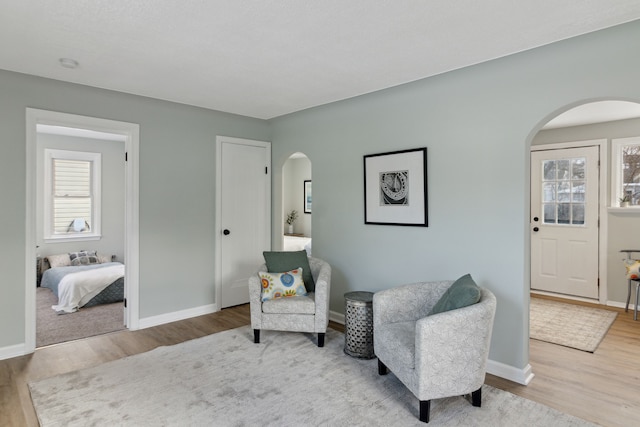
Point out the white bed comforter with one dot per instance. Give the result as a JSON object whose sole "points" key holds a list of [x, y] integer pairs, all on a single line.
{"points": [[77, 289]]}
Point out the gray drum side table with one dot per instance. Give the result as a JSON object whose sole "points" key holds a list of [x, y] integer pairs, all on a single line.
{"points": [[358, 324]]}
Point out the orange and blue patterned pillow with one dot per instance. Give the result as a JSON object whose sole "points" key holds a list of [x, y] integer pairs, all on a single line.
{"points": [[281, 285], [633, 268]]}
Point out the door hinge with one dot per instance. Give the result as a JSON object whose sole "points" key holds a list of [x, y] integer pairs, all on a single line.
{"points": [[125, 303], [266, 170], [126, 156]]}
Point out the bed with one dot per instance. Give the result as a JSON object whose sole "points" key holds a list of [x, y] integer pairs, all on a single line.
{"points": [[84, 285]]}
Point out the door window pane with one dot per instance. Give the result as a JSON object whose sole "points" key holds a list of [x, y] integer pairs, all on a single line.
{"points": [[550, 214], [577, 191], [577, 168], [563, 190], [564, 213], [578, 214], [548, 192], [549, 170]]}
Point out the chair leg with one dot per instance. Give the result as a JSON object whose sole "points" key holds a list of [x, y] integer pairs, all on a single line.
{"points": [[626, 307], [476, 397], [382, 368], [256, 336], [635, 310], [321, 339], [425, 407]]}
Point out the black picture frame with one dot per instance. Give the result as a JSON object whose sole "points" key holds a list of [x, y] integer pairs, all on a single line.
{"points": [[306, 201], [395, 188]]}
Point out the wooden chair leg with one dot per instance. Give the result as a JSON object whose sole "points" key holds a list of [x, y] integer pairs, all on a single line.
{"points": [[476, 397], [256, 336], [321, 339], [425, 408], [382, 368]]}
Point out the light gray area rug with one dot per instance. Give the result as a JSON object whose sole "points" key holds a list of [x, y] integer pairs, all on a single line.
{"points": [[226, 380], [53, 328], [574, 326]]}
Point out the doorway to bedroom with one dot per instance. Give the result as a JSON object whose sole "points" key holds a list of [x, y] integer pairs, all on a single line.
{"points": [[82, 223], [79, 210], [297, 203]]}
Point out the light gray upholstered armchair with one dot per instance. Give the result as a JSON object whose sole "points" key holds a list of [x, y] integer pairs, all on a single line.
{"points": [[309, 313], [434, 356]]}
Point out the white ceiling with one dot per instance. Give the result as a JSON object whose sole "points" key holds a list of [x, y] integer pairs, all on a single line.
{"points": [[595, 112], [267, 58]]}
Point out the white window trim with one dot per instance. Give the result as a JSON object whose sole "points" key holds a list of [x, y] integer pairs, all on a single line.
{"points": [[96, 170], [616, 169]]}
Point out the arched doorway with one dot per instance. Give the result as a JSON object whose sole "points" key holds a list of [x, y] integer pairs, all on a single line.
{"points": [[296, 203], [601, 124]]}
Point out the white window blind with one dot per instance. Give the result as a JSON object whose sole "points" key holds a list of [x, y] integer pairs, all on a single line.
{"points": [[73, 188]]}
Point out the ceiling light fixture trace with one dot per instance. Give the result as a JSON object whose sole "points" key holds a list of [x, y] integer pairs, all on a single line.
{"points": [[69, 63]]}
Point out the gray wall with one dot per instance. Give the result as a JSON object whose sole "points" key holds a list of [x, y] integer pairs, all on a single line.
{"points": [[623, 227], [295, 172], [177, 190], [477, 123], [112, 201]]}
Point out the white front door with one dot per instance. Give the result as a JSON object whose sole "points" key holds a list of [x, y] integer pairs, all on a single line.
{"points": [[564, 221], [244, 224]]}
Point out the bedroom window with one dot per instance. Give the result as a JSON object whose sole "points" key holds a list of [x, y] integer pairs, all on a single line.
{"points": [[625, 172], [72, 195]]}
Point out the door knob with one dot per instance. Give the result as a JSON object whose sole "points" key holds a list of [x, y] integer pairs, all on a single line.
{"points": [[226, 232], [535, 229]]}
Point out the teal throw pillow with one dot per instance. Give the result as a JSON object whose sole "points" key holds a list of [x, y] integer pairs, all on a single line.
{"points": [[461, 293], [279, 262]]}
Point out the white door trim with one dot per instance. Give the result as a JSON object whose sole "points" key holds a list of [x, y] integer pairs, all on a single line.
{"points": [[602, 202], [218, 225], [131, 132]]}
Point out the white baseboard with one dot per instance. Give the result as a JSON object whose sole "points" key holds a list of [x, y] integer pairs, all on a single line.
{"points": [[161, 319], [336, 317], [621, 305], [511, 373], [12, 351]]}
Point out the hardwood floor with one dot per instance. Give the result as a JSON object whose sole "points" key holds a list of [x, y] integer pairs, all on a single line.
{"points": [[599, 387]]}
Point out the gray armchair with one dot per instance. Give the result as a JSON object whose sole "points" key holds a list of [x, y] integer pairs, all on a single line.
{"points": [[434, 356], [309, 313]]}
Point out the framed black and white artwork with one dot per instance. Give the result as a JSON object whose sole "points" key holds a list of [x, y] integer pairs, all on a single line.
{"points": [[395, 188]]}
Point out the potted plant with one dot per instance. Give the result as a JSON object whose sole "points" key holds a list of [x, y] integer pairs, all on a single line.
{"points": [[291, 218], [625, 201]]}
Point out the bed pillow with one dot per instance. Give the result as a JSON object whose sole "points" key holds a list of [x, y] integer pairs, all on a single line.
{"points": [[278, 262], [280, 285], [461, 293], [103, 258], [84, 258], [60, 260]]}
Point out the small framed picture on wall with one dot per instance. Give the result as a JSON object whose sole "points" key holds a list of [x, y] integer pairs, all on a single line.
{"points": [[307, 196], [395, 188]]}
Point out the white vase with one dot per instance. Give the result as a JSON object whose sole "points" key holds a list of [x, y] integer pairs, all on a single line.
{"points": [[290, 228], [624, 204]]}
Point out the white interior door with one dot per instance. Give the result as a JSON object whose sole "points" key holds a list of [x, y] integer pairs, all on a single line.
{"points": [[245, 214], [564, 221]]}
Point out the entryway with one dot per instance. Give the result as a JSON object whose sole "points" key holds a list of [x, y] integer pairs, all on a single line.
{"points": [[129, 134], [564, 221]]}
